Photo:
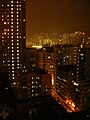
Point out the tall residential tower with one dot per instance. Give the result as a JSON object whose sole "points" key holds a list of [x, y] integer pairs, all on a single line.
{"points": [[12, 35]]}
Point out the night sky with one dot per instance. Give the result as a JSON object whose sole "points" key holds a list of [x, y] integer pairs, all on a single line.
{"points": [[57, 16]]}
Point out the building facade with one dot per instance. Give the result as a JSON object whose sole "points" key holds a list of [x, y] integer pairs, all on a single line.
{"points": [[12, 35]]}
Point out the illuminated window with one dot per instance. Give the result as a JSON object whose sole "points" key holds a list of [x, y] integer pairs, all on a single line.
{"points": [[12, 74], [12, 64], [3, 61], [32, 90], [12, 67], [4, 22], [11, 12], [11, 36], [23, 20], [12, 50], [12, 61], [11, 1], [11, 8], [11, 29], [11, 26], [17, 50], [11, 15], [11, 5], [17, 43], [17, 15], [7, 15], [11, 33]]}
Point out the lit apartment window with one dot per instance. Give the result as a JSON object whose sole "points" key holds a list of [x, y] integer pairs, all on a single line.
{"points": [[4, 22], [11, 5], [3, 61], [11, 8], [32, 90], [12, 67], [12, 19], [7, 15], [11, 36], [11, 12], [11, 1], [12, 61], [11, 15], [12, 64], [23, 20], [12, 74], [12, 26], [32, 82], [11, 33], [12, 50]]}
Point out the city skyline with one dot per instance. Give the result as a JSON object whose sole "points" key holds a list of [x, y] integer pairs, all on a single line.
{"points": [[57, 16]]}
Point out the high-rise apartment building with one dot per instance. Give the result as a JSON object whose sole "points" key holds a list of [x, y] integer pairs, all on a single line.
{"points": [[73, 76], [12, 35], [46, 61]]}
